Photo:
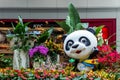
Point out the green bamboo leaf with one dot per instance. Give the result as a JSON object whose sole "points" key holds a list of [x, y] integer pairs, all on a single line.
{"points": [[74, 16]]}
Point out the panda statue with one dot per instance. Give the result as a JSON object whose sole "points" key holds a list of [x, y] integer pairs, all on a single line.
{"points": [[80, 45]]}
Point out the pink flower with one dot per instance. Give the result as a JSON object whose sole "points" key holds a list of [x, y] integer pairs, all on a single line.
{"points": [[105, 48], [109, 58]]}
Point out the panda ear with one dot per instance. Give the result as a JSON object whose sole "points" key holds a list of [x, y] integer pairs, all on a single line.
{"points": [[94, 53], [95, 50], [91, 30], [64, 36]]}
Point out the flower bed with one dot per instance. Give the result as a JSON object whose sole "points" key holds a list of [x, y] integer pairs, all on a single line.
{"points": [[54, 74]]}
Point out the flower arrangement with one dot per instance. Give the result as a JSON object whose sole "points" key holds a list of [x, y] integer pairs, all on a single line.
{"points": [[38, 53], [108, 58], [54, 74]]}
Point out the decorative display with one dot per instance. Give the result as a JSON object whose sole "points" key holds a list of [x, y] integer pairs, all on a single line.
{"points": [[92, 57], [79, 45]]}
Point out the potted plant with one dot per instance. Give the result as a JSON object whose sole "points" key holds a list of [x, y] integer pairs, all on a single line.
{"points": [[38, 53], [20, 42]]}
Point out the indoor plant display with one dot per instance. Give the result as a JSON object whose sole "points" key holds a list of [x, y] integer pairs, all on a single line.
{"points": [[21, 41]]}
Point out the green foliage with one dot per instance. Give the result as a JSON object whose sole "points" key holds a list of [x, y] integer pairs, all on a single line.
{"points": [[21, 33], [98, 33], [5, 61], [43, 37], [98, 29], [63, 25], [21, 29], [117, 76], [72, 21]]}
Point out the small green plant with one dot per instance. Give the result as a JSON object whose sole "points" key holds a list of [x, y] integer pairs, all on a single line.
{"points": [[5, 61]]}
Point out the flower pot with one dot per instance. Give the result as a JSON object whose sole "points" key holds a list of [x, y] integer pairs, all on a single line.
{"points": [[20, 59]]}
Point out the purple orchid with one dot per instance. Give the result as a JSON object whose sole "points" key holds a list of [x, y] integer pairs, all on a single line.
{"points": [[38, 49]]}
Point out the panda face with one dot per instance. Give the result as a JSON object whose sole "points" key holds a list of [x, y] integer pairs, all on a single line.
{"points": [[79, 44]]}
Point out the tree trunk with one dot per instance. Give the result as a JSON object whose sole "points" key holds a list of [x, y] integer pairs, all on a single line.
{"points": [[20, 59]]}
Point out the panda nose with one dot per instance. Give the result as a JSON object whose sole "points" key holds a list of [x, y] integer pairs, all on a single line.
{"points": [[75, 46]]}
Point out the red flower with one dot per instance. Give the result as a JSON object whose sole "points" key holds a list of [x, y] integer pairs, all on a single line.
{"points": [[105, 33]]}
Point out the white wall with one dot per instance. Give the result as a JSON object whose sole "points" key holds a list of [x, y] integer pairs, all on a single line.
{"points": [[59, 3], [57, 9]]}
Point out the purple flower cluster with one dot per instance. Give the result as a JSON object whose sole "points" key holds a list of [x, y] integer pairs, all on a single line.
{"points": [[38, 49]]}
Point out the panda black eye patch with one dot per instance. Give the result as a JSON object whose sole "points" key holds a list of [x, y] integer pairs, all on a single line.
{"points": [[84, 40], [69, 44]]}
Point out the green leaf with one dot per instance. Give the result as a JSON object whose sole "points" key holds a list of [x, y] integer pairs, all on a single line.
{"points": [[13, 25], [100, 41], [72, 20], [26, 26], [10, 36], [98, 29], [83, 77], [68, 22], [20, 20], [84, 25], [63, 25], [43, 37], [117, 76], [78, 26], [74, 16], [50, 31]]}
